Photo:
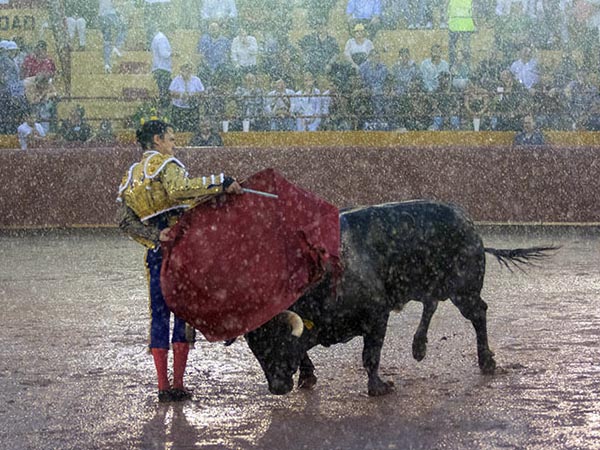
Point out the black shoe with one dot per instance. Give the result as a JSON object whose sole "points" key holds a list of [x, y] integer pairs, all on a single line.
{"points": [[165, 396], [179, 395]]}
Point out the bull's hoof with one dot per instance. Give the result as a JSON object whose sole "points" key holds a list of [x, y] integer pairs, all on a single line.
{"points": [[419, 348], [380, 388], [307, 381], [487, 364], [488, 368]]}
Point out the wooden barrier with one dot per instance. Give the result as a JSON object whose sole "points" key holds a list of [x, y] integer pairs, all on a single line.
{"points": [[78, 187]]}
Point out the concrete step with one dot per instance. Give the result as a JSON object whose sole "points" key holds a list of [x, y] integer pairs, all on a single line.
{"points": [[98, 109], [110, 85]]}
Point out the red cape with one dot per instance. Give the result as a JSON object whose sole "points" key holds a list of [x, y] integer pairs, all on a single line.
{"points": [[230, 268]]}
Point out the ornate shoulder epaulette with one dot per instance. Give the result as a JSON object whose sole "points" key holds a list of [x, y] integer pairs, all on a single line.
{"points": [[126, 181], [156, 162]]}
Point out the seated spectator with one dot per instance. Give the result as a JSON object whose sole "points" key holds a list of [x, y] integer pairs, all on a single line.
{"points": [[509, 103], [218, 101], [476, 105], [38, 62], [75, 22], [250, 104], [366, 13], [360, 103], [12, 95], [358, 47], [244, 52], [214, 49], [75, 128], [279, 107], [549, 105], [185, 90], [281, 58], [105, 135], [334, 108], [223, 12], [19, 54], [525, 69], [318, 49], [404, 72], [374, 75], [420, 109], [207, 135], [578, 97], [306, 106], [340, 73], [460, 71], [30, 132], [446, 105], [432, 67], [487, 73], [42, 98], [530, 134]]}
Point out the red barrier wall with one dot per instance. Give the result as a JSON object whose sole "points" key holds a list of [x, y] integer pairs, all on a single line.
{"points": [[74, 187]]}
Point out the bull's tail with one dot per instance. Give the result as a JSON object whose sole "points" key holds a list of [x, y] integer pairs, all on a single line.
{"points": [[518, 257]]}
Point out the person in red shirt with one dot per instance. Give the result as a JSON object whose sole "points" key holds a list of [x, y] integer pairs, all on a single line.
{"points": [[38, 61]]}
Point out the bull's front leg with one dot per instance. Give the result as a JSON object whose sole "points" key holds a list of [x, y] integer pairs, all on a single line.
{"points": [[373, 342], [307, 378]]}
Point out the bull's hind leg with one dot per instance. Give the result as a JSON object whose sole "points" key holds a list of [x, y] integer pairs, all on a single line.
{"points": [[419, 346], [473, 308], [307, 378]]}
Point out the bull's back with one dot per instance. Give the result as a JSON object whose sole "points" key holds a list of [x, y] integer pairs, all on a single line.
{"points": [[413, 249]]}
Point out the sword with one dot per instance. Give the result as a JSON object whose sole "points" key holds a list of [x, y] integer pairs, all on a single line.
{"points": [[264, 194]]}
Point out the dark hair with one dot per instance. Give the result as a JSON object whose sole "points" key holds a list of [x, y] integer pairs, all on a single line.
{"points": [[145, 135]]}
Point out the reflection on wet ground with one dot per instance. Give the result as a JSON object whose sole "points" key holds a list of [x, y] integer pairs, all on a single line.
{"points": [[74, 372]]}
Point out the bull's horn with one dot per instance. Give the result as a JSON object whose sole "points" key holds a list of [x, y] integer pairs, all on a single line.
{"points": [[295, 322]]}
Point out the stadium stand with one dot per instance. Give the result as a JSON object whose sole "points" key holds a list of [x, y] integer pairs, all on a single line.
{"points": [[118, 96]]}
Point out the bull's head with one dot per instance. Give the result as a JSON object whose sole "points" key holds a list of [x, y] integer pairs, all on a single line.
{"points": [[277, 347]]}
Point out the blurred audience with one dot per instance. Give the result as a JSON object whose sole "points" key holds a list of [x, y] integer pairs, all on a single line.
{"points": [[185, 90], [530, 135], [30, 133], [75, 128], [207, 135]]}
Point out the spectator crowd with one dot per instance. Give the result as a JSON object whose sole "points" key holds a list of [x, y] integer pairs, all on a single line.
{"points": [[248, 74]]}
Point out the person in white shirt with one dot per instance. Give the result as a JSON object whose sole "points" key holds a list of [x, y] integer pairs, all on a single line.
{"points": [[30, 131], [432, 67], [278, 107], [162, 67], [244, 52], [525, 69], [307, 106], [185, 90], [358, 48]]}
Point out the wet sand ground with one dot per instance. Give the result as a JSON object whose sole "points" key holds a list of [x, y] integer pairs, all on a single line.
{"points": [[74, 373]]}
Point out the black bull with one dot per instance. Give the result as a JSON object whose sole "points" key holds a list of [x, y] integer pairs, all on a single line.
{"points": [[392, 254]]}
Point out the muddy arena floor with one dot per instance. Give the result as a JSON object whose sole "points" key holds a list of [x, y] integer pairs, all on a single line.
{"points": [[75, 374]]}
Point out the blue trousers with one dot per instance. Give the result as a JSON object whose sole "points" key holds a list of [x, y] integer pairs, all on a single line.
{"points": [[160, 315]]}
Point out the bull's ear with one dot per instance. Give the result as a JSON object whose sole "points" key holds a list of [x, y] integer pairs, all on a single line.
{"points": [[295, 321]]}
